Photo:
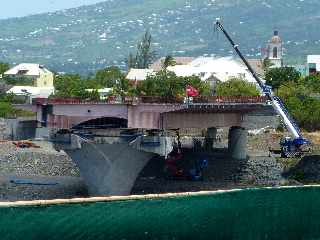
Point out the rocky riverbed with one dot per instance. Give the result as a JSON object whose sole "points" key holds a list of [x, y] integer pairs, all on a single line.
{"points": [[260, 168], [44, 173], [37, 173]]}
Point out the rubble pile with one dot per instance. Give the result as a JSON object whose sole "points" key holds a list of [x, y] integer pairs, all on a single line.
{"points": [[261, 170], [43, 161]]}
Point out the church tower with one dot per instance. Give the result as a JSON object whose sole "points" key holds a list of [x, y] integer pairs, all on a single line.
{"points": [[275, 51]]}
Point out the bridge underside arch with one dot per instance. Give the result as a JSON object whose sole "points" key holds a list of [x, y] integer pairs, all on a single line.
{"points": [[102, 123]]}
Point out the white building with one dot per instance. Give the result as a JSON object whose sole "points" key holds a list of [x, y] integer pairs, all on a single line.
{"points": [[136, 75], [214, 69], [40, 76], [158, 65], [30, 92], [313, 64], [207, 68]]}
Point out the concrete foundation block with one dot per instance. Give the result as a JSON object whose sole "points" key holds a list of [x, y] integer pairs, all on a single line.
{"points": [[237, 146], [210, 139]]}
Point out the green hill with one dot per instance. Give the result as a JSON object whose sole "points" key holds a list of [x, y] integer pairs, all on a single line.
{"points": [[86, 38]]}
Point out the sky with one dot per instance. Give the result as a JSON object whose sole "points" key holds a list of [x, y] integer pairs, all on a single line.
{"points": [[20, 8]]}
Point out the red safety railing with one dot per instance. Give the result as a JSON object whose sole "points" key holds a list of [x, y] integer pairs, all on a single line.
{"points": [[228, 99], [150, 100]]}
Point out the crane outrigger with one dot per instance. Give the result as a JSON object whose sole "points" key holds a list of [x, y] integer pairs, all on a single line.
{"points": [[290, 147]]}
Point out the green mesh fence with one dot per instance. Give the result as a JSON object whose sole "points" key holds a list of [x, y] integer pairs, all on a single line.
{"points": [[285, 213]]}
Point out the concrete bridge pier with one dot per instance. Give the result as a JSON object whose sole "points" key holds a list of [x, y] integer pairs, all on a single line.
{"points": [[237, 145], [109, 169], [109, 166], [210, 138]]}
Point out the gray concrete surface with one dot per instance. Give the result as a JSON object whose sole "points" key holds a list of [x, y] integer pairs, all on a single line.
{"points": [[109, 169], [237, 146], [17, 129]]}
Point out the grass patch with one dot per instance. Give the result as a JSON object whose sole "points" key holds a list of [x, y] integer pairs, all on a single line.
{"points": [[8, 111], [298, 176], [24, 113], [288, 162]]}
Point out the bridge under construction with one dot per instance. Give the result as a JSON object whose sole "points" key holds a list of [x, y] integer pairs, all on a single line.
{"points": [[112, 142]]}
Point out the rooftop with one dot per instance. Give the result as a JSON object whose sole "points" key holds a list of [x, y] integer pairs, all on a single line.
{"points": [[27, 69], [139, 74], [41, 92], [157, 65]]}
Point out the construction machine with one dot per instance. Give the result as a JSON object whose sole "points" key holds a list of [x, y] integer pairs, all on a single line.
{"points": [[290, 146]]}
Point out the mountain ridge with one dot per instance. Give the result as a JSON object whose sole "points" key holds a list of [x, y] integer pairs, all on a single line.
{"points": [[86, 38]]}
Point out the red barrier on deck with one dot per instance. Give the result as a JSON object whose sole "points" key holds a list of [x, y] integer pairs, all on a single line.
{"points": [[150, 100]]}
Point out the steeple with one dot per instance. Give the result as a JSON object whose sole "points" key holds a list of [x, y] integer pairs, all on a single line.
{"points": [[274, 50]]}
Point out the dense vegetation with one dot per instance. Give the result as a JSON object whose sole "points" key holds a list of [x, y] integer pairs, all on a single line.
{"points": [[85, 39], [75, 86], [301, 95], [236, 87], [8, 111], [4, 67], [163, 83], [6, 100], [167, 84]]}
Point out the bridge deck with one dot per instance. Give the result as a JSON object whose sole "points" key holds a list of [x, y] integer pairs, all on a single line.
{"points": [[150, 112]]}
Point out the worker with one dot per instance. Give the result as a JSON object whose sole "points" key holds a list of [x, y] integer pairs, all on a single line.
{"points": [[171, 164], [196, 174]]}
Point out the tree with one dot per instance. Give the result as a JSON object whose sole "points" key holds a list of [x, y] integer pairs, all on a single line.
{"points": [[70, 85], [236, 87], [6, 110], [302, 101], [312, 82], [73, 86], [168, 61], [108, 77], [296, 89], [64, 84], [19, 81], [279, 76], [266, 64], [167, 84], [132, 61], [306, 111], [144, 55], [4, 67]]}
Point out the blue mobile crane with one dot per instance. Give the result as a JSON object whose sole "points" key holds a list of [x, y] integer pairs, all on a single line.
{"points": [[290, 147]]}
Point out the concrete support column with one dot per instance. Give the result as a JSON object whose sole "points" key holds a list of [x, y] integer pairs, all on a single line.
{"points": [[108, 166], [237, 146], [210, 138], [109, 169]]}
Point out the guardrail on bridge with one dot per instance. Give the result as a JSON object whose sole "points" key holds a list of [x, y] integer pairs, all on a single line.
{"points": [[151, 100]]}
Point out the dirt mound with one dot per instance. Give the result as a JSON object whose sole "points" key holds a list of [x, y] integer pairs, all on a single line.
{"points": [[307, 170]]}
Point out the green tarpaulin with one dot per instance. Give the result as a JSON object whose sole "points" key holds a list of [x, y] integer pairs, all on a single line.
{"points": [[278, 213]]}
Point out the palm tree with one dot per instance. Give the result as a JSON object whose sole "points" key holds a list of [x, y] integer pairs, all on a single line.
{"points": [[144, 55], [168, 61]]}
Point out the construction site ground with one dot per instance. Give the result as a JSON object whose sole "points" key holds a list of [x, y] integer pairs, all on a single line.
{"points": [[259, 170], [43, 173]]}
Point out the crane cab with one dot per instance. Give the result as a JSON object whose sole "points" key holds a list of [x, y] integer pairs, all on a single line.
{"points": [[294, 147]]}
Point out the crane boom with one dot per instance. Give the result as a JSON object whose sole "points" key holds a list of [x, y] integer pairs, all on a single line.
{"points": [[236, 48], [276, 102]]}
